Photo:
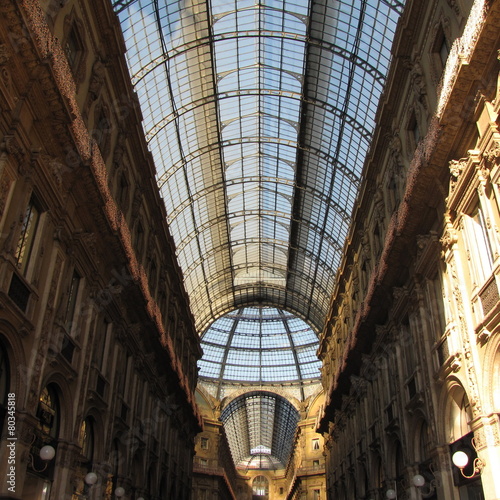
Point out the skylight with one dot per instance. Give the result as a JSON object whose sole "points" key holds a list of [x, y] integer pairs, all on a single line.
{"points": [[259, 115], [260, 345]]}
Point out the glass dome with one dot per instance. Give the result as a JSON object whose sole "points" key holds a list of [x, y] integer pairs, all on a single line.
{"points": [[262, 345]]}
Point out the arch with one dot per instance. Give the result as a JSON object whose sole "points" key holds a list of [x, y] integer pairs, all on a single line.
{"points": [[98, 433], [65, 398], [395, 458], [423, 441], [453, 385], [377, 472], [86, 439], [151, 479], [260, 487], [276, 390], [137, 470], [5, 384], [18, 367], [46, 432], [205, 402], [457, 413], [316, 403], [49, 412], [491, 374]]}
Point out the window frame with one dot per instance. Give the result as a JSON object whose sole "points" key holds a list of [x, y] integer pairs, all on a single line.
{"points": [[28, 236]]}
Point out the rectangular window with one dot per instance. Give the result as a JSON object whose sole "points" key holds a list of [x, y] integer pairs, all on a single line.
{"points": [[100, 343], [440, 51], [315, 444], [121, 369], [316, 494], [444, 51], [73, 48], [71, 303], [478, 245], [27, 237], [204, 443]]}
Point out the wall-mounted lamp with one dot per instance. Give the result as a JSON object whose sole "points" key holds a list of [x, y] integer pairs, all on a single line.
{"points": [[420, 482], [119, 492], [391, 494], [90, 478], [461, 460], [46, 453]]}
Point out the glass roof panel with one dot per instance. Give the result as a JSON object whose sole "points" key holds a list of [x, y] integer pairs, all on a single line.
{"points": [[260, 344], [259, 116]]}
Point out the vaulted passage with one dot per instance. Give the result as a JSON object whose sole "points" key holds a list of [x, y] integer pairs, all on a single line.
{"points": [[249, 249]]}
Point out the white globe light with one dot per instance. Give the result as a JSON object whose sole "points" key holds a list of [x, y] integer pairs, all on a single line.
{"points": [[47, 452], [460, 459], [418, 480], [390, 494], [91, 478], [140, 498], [119, 492]]}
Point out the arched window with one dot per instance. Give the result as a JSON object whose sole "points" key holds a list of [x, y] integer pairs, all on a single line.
{"points": [[4, 384], [48, 413], [112, 480], [460, 415], [47, 431], [260, 487], [86, 439], [86, 443]]}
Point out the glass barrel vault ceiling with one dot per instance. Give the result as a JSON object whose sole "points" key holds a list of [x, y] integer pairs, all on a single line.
{"points": [[260, 427], [259, 115]]}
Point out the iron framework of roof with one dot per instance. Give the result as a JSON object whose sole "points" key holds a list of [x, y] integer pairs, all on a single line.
{"points": [[260, 427], [259, 115], [260, 346]]}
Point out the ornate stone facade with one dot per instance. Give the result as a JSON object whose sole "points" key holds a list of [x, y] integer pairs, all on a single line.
{"points": [[98, 348]]}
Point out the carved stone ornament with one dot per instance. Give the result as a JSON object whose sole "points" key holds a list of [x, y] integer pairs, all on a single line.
{"points": [[89, 241], [418, 82], [11, 145], [4, 54], [97, 79], [483, 335], [454, 5], [493, 154], [455, 363], [399, 292], [449, 237], [456, 169], [137, 201]]}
